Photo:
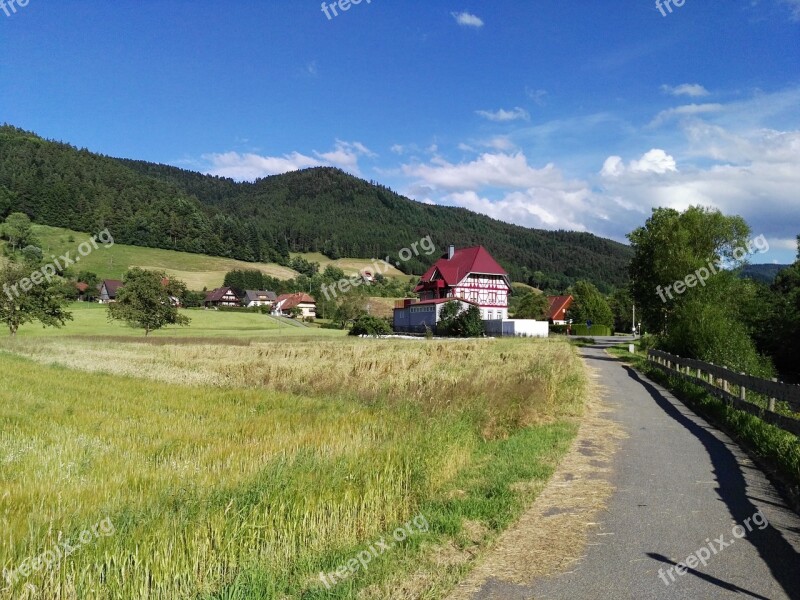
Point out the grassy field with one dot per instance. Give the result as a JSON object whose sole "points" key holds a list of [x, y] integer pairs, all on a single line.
{"points": [[243, 471], [351, 266], [196, 270], [91, 319]]}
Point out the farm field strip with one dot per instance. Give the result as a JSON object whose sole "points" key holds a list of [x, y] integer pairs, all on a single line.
{"points": [[243, 471]]}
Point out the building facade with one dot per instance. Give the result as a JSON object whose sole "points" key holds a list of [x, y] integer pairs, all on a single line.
{"points": [[469, 274]]}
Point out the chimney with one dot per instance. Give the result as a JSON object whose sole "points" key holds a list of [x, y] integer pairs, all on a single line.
{"points": [[451, 250]]}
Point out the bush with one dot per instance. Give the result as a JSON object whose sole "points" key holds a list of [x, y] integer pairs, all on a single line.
{"points": [[369, 325], [467, 323], [558, 329], [581, 329]]}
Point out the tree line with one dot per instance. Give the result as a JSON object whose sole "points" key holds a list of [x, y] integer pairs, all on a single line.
{"points": [[315, 210]]}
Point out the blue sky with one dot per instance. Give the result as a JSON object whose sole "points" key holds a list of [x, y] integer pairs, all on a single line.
{"points": [[578, 115]]}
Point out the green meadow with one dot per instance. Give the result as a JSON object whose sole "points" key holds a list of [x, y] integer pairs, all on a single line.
{"points": [[91, 319], [237, 462], [198, 271]]}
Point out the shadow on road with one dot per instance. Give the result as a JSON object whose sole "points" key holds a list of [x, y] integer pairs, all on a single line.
{"points": [[713, 580], [776, 552]]}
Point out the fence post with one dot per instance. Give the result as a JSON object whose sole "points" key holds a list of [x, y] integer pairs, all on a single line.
{"points": [[772, 400], [742, 393], [726, 386]]}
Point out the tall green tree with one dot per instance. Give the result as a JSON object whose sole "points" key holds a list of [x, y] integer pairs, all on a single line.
{"points": [[532, 306], [672, 245], [144, 302], [28, 297], [589, 305], [621, 304], [707, 319], [17, 230]]}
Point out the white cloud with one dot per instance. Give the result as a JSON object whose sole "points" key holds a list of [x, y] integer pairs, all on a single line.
{"points": [[613, 167], [502, 115], [684, 111], [501, 142], [345, 155], [655, 161], [519, 192], [466, 19], [537, 96], [499, 170], [249, 166], [693, 90]]}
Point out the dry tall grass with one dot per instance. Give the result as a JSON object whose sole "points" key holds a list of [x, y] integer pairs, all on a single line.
{"points": [[211, 459]]}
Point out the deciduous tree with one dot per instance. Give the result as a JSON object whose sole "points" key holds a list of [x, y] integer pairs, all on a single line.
{"points": [[144, 302]]}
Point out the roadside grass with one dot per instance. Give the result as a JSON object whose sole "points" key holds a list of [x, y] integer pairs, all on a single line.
{"points": [[91, 319], [286, 461], [779, 450], [196, 270]]}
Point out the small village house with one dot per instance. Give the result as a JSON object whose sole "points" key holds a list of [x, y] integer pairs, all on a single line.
{"points": [[224, 296], [108, 290], [253, 298], [559, 305], [306, 304]]}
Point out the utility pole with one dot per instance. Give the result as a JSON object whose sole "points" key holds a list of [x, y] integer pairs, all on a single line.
{"points": [[633, 321]]}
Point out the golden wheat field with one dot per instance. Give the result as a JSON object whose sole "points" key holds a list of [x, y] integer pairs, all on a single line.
{"points": [[242, 470]]}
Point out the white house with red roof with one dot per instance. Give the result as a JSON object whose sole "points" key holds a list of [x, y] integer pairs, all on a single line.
{"points": [[469, 274]]}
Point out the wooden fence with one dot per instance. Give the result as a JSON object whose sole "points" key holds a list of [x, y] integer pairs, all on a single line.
{"points": [[732, 387]]}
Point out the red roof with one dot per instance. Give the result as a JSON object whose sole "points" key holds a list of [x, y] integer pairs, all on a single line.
{"points": [[81, 286], [464, 262], [558, 306], [292, 300]]}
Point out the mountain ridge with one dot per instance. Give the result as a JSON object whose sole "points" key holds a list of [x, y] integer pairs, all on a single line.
{"points": [[321, 209]]}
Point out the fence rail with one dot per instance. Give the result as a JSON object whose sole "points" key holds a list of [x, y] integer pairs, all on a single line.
{"points": [[722, 383]]}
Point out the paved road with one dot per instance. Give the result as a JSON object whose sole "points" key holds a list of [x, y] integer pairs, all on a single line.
{"points": [[680, 485]]}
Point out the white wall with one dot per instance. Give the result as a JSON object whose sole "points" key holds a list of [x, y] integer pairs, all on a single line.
{"points": [[518, 327]]}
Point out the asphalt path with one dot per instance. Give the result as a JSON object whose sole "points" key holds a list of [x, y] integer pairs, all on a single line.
{"points": [[683, 489]]}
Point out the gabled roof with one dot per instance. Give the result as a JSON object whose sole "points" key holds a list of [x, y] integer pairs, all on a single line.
{"points": [[218, 294], [464, 262], [111, 285], [289, 301], [558, 304], [256, 295]]}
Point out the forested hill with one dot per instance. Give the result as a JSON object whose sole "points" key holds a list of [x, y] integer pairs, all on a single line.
{"points": [[315, 210]]}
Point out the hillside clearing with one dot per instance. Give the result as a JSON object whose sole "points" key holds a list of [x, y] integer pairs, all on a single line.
{"points": [[198, 271]]}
